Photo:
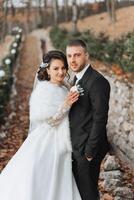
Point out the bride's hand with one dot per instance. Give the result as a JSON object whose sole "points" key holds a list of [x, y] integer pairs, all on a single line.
{"points": [[71, 98]]}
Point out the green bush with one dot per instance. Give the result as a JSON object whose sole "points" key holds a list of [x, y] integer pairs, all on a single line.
{"points": [[119, 51], [7, 66], [113, 51], [127, 59], [95, 45], [5, 87], [59, 37]]}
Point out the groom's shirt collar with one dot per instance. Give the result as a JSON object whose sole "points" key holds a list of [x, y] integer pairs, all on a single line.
{"points": [[80, 74]]}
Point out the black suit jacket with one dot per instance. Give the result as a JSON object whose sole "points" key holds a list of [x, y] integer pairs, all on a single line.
{"points": [[88, 116]]}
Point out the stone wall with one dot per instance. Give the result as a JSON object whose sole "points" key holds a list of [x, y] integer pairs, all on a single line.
{"points": [[121, 119]]}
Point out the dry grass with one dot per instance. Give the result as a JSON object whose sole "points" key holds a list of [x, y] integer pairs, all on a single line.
{"points": [[101, 23]]}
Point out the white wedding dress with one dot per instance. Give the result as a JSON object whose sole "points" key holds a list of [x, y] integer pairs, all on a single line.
{"points": [[42, 167]]}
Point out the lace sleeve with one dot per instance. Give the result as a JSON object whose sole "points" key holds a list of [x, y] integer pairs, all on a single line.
{"points": [[59, 116]]}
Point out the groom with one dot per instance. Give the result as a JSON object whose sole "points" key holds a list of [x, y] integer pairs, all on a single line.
{"points": [[88, 119]]}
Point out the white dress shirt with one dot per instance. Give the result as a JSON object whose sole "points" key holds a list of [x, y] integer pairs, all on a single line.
{"points": [[80, 74]]}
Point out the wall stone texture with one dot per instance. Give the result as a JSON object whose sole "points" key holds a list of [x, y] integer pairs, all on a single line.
{"points": [[121, 119]]}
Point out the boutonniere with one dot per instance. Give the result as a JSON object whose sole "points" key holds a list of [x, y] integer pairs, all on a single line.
{"points": [[78, 89]]}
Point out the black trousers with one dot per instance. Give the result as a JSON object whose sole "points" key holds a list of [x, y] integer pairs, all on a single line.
{"points": [[86, 175]]}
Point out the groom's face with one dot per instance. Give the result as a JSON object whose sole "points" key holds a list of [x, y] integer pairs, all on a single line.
{"points": [[77, 58]]}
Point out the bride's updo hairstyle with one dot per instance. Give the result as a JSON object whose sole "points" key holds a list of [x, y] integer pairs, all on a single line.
{"points": [[47, 58]]}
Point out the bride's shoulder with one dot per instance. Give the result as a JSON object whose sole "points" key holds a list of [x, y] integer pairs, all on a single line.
{"points": [[42, 85], [41, 88], [42, 93], [46, 88]]}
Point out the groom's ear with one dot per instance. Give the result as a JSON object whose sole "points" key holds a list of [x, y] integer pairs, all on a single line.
{"points": [[87, 55]]}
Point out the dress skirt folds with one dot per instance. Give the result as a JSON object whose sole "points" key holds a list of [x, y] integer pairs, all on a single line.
{"points": [[42, 167]]}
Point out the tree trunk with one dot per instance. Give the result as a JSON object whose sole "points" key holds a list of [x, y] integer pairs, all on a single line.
{"points": [[55, 11], [74, 16], [5, 13], [28, 15], [1, 21], [40, 14], [111, 9], [45, 14], [13, 10], [108, 6], [45, 4], [66, 10]]}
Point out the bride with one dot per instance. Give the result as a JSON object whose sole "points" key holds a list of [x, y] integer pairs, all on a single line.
{"points": [[42, 167]]}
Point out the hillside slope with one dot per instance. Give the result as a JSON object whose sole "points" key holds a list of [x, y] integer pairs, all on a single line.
{"points": [[101, 23]]}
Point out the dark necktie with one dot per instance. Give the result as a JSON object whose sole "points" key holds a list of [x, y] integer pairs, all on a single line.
{"points": [[75, 79]]}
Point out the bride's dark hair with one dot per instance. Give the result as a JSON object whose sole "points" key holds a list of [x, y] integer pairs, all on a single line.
{"points": [[47, 58]]}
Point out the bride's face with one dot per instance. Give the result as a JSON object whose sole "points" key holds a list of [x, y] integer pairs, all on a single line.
{"points": [[57, 71]]}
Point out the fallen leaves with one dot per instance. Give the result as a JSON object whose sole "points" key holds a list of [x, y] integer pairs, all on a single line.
{"points": [[17, 119]]}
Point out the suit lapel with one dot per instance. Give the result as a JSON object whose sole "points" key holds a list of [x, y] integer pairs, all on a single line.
{"points": [[86, 76]]}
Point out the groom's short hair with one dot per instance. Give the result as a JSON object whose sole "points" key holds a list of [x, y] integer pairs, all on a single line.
{"points": [[77, 42]]}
